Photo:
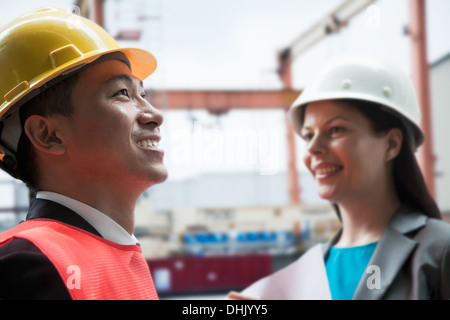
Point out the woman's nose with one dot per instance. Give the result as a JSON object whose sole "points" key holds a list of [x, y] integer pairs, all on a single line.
{"points": [[317, 145]]}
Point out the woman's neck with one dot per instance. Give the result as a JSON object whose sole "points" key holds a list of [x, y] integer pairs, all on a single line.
{"points": [[364, 220]]}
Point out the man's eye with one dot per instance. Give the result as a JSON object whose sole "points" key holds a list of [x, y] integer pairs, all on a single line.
{"points": [[123, 92]]}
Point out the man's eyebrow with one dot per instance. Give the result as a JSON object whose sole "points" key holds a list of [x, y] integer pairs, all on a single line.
{"points": [[123, 77]]}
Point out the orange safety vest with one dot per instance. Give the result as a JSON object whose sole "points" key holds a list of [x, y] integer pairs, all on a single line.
{"points": [[91, 267]]}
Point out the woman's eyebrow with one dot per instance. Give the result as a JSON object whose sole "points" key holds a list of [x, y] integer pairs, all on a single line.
{"points": [[337, 118], [330, 120]]}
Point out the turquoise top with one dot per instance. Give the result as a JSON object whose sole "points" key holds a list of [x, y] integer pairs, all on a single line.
{"points": [[345, 267]]}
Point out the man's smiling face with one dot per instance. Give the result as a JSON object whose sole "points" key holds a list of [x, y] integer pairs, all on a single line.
{"points": [[114, 132]]}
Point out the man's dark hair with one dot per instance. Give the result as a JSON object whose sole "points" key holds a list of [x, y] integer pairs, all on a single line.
{"points": [[57, 99]]}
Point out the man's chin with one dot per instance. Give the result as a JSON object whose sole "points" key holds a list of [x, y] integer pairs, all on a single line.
{"points": [[159, 177]]}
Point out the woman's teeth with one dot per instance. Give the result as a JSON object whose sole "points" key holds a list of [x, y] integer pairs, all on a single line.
{"points": [[327, 170]]}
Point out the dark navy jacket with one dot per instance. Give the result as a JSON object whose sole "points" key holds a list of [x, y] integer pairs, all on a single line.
{"points": [[25, 272]]}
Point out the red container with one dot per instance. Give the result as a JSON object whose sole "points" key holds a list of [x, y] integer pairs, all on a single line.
{"points": [[189, 274]]}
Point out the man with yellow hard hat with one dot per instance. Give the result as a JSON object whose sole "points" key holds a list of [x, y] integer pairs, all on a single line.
{"points": [[75, 126]]}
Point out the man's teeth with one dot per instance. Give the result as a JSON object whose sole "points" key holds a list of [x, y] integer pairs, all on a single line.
{"points": [[327, 170], [148, 143]]}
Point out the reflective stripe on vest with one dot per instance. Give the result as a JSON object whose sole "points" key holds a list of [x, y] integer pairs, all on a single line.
{"points": [[91, 267]]}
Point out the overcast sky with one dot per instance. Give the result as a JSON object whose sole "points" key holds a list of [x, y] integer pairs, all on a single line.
{"points": [[225, 44], [232, 44]]}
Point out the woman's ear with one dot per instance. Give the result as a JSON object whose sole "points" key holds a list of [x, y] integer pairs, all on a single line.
{"points": [[42, 132], [394, 140]]}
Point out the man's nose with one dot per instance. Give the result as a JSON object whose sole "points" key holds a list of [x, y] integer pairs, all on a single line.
{"points": [[148, 114]]}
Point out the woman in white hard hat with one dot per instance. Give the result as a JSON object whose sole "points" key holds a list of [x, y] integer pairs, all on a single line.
{"points": [[360, 123]]}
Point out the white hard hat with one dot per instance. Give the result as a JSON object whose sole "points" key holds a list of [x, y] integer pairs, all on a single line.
{"points": [[364, 78]]}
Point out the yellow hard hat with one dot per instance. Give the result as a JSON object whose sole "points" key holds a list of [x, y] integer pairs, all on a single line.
{"points": [[40, 47]]}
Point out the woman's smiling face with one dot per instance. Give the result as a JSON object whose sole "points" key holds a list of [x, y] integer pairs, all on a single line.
{"points": [[346, 158]]}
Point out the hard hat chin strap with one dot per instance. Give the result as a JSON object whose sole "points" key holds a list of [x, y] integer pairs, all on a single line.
{"points": [[8, 161], [10, 130]]}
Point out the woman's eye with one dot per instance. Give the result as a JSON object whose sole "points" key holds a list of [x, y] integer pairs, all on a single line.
{"points": [[307, 136], [336, 130]]}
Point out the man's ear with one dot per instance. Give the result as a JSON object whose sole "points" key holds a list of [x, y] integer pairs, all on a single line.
{"points": [[42, 132], [394, 140]]}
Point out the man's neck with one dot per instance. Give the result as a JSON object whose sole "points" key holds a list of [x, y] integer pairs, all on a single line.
{"points": [[118, 205]]}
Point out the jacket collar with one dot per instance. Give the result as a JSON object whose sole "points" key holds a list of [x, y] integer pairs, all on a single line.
{"points": [[40, 208], [390, 254]]}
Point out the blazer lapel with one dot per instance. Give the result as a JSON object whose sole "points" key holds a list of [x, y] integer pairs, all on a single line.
{"points": [[389, 256]]}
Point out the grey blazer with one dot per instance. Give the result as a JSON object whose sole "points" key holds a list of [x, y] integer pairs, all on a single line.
{"points": [[412, 259]]}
